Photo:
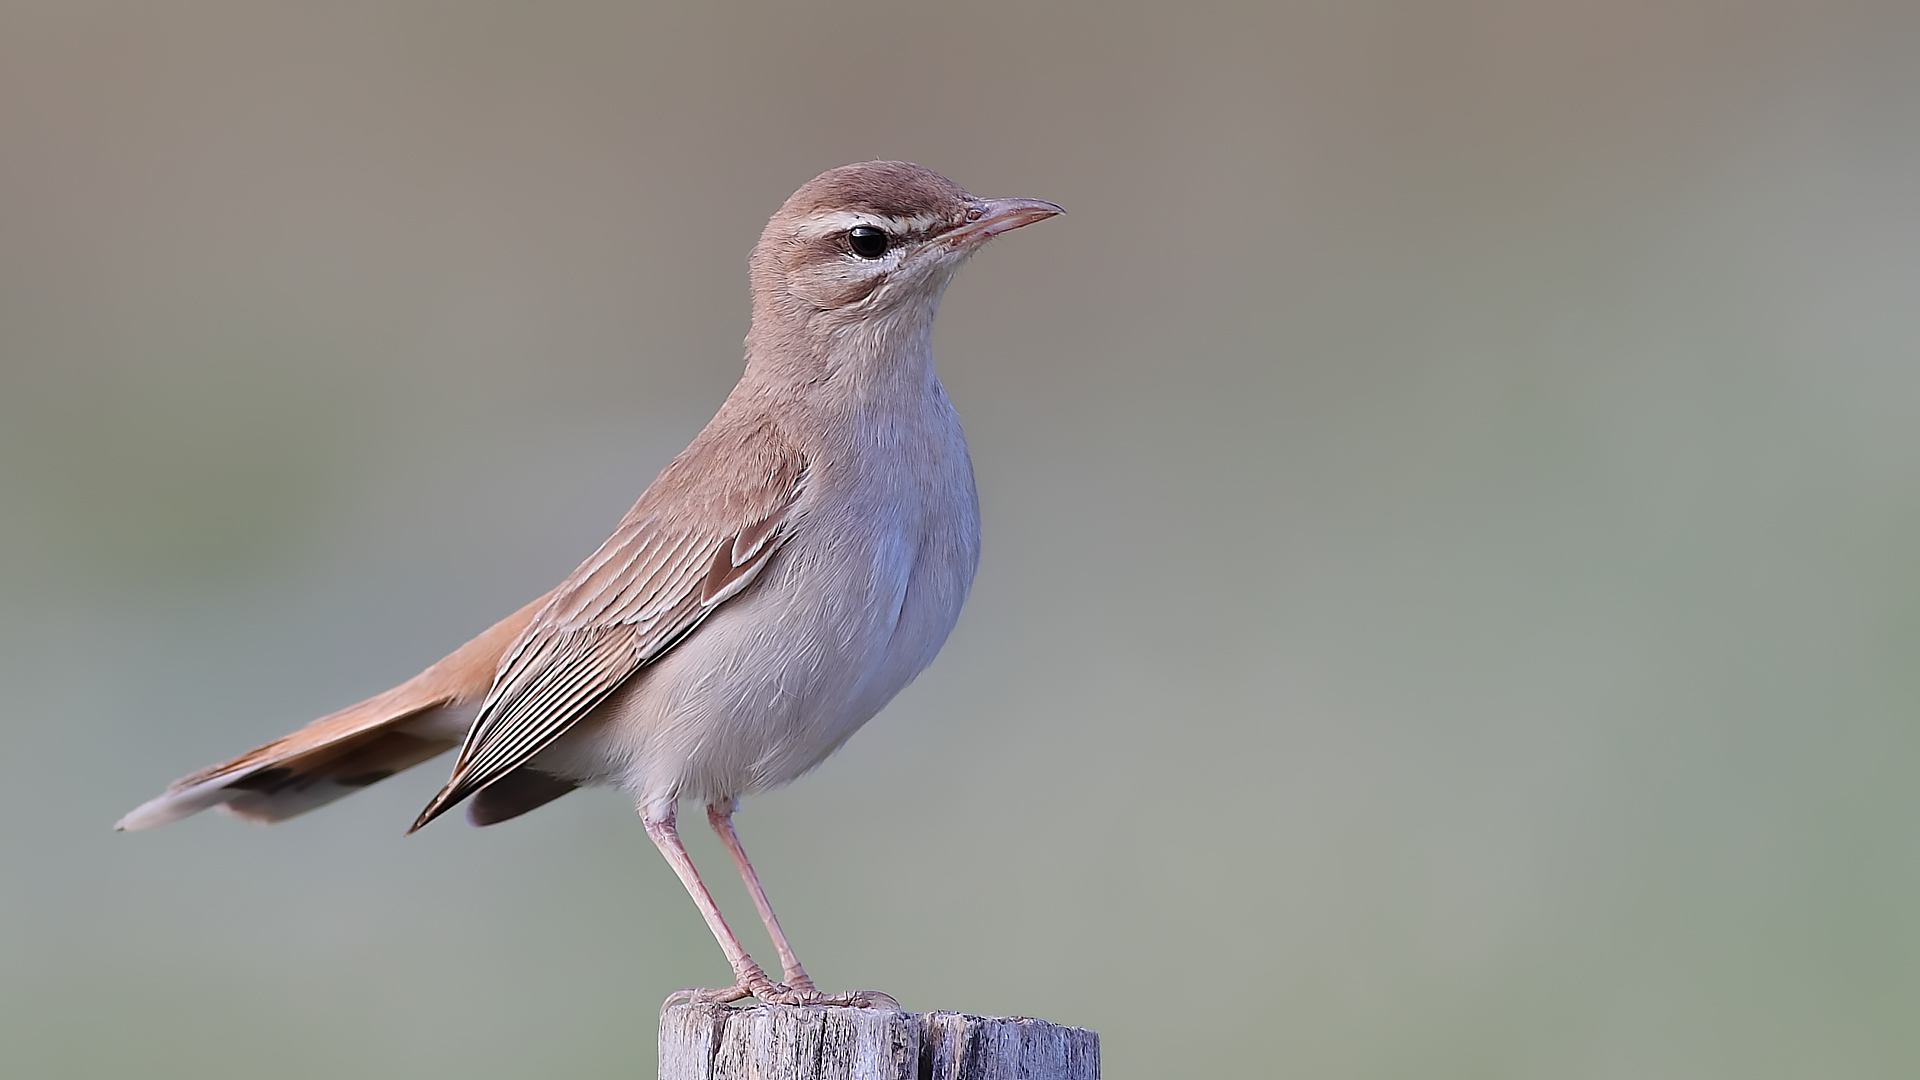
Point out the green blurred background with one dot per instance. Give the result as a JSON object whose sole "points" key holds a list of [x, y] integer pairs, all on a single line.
{"points": [[1452, 495]]}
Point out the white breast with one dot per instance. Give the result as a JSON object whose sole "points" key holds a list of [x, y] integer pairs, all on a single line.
{"points": [[854, 605]]}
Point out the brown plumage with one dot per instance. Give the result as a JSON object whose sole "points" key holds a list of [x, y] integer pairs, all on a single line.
{"points": [[696, 537], [791, 570], [342, 752]]}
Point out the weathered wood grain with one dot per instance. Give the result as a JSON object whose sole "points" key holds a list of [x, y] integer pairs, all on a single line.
{"points": [[718, 1042]]}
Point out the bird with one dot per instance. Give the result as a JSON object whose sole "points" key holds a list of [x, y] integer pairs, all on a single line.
{"points": [[787, 574]]}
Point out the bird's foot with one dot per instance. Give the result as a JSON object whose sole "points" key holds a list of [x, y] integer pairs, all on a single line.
{"points": [[797, 990], [753, 983], [853, 999], [721, 996], [773, 993]]}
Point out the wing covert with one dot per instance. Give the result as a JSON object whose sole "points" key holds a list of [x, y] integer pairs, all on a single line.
{"points": [[650, 585]]}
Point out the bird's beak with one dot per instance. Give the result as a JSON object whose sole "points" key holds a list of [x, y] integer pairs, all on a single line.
{"points": [[991, 217]]}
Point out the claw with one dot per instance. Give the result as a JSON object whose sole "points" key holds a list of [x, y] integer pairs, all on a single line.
{"points": [[867, 999], [705, 997], [778, 994], [854, 999]]}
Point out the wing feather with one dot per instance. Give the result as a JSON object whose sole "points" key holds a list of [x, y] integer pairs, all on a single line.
{"points": [[699, 535], [323, 760]]}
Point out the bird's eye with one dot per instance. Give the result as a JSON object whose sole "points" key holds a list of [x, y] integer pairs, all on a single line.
{"points": [[867, 241]]}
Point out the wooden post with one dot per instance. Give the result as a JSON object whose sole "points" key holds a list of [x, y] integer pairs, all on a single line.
{"points": [[816, 1042]]}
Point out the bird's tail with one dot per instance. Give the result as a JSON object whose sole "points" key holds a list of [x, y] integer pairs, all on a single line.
{"points": [[339, 754]]}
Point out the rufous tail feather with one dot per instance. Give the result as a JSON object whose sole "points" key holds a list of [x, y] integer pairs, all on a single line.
{"points": [[350, 749]]}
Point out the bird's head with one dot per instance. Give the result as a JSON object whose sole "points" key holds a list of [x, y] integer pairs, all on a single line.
{"points": [[867, 249]]}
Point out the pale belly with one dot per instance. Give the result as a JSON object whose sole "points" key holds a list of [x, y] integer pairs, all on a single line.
{"points": [[776, 680]]}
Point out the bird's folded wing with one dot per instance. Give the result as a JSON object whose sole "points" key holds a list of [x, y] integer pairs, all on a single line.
{"points": [[675, 558]]}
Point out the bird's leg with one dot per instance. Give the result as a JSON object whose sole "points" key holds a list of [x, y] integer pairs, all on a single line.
{"points": [[720, 816], [799, 989], [749, 979]]}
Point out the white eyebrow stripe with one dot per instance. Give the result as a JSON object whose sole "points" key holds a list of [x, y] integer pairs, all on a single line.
{"points": [[828, 222]]}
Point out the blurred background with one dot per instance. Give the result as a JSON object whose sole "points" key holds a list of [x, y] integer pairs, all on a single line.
{"points": [[1452, 497]]}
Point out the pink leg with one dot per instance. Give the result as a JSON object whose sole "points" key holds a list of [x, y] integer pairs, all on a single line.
{"points": [[799, 988], [720, 816], [749, 980]]}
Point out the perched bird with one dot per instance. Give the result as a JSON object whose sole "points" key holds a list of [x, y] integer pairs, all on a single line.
{"points": [[775, 586]]}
